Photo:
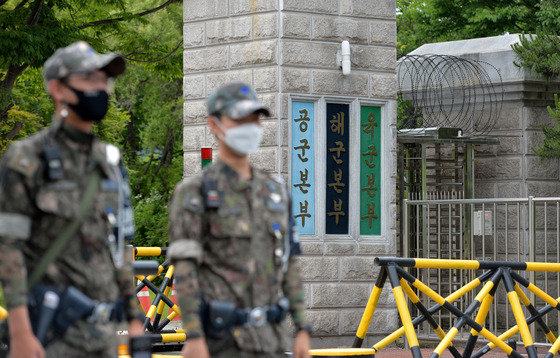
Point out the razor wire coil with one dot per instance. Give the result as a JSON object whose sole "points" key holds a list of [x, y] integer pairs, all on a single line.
{"points": [[449, 91]]}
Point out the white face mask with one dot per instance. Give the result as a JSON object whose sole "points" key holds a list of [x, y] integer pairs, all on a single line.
{"points": [[244, 139]]}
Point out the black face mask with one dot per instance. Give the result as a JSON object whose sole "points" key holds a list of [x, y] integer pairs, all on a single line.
{"points": [[92, 106]]}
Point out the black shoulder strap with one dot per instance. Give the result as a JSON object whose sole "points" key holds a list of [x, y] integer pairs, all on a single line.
{"points": [[52, 157]]}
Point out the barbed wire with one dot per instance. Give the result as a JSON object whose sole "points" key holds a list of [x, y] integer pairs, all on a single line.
{"points": [[449, 91]]}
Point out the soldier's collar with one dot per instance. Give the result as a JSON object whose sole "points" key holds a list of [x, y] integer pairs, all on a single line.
{"points": [[76, 134], [233, 177]]}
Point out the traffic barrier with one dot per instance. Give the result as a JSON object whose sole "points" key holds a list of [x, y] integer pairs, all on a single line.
{"points": [[494, 274], [154, 321]]}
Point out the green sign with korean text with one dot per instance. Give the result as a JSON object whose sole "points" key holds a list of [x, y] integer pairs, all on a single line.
{"points": [[370, 170]]}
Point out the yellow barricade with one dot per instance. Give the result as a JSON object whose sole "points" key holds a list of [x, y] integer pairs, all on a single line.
{"points": [[343, 352], [473, 316], [153, 321]]}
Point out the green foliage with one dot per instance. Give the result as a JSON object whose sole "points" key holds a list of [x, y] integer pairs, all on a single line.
{"points": [[153, 192], [150, 213], [29, 93], [408, 116], [145, 116], [539, 53], [550, 148], [426, 21], [29, 109], [111, 129], [28, 122], [30, 32], [150, 92]]}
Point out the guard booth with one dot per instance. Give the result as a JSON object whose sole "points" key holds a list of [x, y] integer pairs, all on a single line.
{"points": [[436, 164]]}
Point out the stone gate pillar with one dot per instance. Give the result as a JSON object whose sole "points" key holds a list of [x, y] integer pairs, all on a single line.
{"points": [[331, 136]]}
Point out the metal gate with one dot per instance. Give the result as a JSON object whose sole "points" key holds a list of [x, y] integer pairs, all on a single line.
{"points": [[517, 229]]}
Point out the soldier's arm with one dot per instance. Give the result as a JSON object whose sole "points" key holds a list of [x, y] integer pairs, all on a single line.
{"points": [[186, 285], [292, 284], [16, 212], [131, 303], [185, 252], [293, 289]]}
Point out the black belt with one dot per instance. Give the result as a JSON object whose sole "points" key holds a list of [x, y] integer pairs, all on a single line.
{"points": [[52, 310], [258, 316], [219, 316]]}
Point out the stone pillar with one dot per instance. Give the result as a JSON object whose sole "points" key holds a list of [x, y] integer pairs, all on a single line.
{"points": [[287, 50]]}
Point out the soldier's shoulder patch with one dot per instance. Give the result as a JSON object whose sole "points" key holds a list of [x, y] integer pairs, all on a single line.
{"points": [[193, 202], [24, 163], [190, 192]]}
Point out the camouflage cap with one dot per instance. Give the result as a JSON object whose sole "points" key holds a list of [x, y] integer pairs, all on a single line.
{"points": [[236, 100], [80, 58]]}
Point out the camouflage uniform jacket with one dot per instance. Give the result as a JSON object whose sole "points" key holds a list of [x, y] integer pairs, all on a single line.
{"points": [[34, 210], [227, 243]]}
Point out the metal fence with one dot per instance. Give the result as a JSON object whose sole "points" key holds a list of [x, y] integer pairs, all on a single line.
{"points": [[517, 229]]}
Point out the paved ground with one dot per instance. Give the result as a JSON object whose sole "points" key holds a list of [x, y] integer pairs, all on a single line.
{"points": [[392, 353]]}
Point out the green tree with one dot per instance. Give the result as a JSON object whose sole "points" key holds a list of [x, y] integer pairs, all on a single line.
{"points": [[153, 146], [30, 31], [426, 21], [550, 148], [151, 93], [145, 116]]}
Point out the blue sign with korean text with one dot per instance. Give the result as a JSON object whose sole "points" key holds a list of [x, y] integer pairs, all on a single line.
{"points": [[303, 166]]}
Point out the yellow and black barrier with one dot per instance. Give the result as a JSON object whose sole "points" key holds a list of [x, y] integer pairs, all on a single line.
{"points": [[495, 273], [153, 321]]}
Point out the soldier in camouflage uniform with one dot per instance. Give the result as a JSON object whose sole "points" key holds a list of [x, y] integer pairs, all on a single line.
{"points": [[40, 197], [232, 241]]}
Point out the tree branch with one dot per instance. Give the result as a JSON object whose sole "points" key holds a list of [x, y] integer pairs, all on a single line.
{"points": [[167, 152], [531, 4], [118, 19], [122, 5], [11, 75], [137, 187], [35, 13], [148, 165], [4, 113], [130, 142], [157, 60], [21, 4], [17, 127]]}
